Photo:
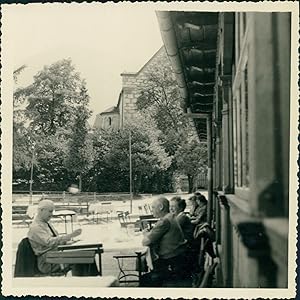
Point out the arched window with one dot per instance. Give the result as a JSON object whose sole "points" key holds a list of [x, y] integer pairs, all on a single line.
{"points": [[109, 121]]}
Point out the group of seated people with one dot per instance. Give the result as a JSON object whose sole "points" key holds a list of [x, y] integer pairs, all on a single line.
{"points": [[173, 243]]}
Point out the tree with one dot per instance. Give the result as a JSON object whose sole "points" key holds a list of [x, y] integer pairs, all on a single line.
{"points": [[53, 112], [17, 72], [160, 99], [149, 156], [112, 149], [79, 157], [22, 147], [50, 155], [191, 159], [53, 97]]}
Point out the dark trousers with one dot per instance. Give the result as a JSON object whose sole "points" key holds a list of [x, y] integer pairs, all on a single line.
{"points": [[174, 268], [84, 270]]}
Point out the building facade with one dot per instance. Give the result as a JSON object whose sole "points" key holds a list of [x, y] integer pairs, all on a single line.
{"points": [[109, 119], [115, 117], [233, 70]]}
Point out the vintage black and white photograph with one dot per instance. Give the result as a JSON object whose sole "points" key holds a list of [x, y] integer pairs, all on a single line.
{"points": [[149, 149]]}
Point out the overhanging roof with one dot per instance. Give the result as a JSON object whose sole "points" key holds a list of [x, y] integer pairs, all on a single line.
{"points": [[190, 39]]}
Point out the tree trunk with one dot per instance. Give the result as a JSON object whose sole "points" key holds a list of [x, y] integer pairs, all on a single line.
{"points": [[191, 181], [79, 182], [137, 183]]}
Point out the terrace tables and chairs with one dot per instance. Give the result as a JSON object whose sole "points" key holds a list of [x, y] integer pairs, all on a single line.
{"points": [[124, 219], [131, 267], [62, 214], [20, 216], [99, 208], [77, 253], [147, 222]]}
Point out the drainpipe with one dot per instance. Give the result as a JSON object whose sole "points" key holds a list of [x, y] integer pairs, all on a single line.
{"points": [[210, 169], [169, 39]]}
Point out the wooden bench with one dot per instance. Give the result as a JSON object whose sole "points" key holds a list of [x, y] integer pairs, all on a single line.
{"points": [[19, 215]]}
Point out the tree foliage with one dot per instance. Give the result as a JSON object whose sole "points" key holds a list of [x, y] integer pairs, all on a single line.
{"points": [[51, 133], [191, 159], [53, 97], [79, 155], [111, 169], [53, 112], [160, 99]]}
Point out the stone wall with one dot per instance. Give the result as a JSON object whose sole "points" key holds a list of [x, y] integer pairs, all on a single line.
{"points": [[132, 83], [107, 121]]}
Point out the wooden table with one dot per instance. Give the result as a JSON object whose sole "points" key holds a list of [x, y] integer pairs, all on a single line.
{"points": [[101, 208], [65, 214], [77, 253], [91, 282], [32, 211]]}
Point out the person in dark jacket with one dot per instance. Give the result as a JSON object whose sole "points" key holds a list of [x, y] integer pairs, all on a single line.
{"points": [[166, 239], [199, 215], [177, 207]]}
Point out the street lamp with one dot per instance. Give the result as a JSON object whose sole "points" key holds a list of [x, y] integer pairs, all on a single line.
{"points": [[130, 172], [31, 175]]}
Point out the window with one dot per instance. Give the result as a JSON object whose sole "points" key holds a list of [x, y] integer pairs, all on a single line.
{"points": [[109, 121], [240, 106], [245, 127], [237, 39], [244, 21]]}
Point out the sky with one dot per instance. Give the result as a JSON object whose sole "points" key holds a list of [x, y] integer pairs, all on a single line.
{"points": [[102, 40]]}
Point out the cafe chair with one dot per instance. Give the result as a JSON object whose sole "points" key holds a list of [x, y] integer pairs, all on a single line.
{"points": [[147, 209], [147, 222], [131, 268], [26, 262], [204, 275], [140, 210], [20, 216], [124, 219], [208, 276]]}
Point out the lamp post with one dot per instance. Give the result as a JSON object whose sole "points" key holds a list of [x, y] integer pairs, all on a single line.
{"points": [[31, 175], [130, 172]]}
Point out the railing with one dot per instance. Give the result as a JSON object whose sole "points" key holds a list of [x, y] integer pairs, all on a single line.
{"points": [[71, 198], [79, 203]]}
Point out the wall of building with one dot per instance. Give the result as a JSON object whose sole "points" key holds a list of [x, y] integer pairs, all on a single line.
{"points": [[251, 179], [107, 121], [132, 83]]}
